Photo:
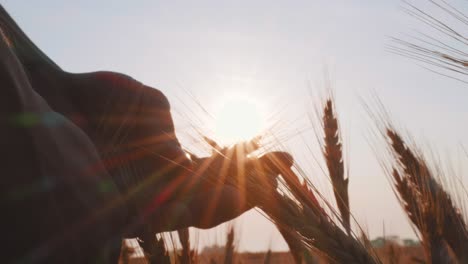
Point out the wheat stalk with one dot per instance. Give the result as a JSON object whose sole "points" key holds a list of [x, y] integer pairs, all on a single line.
{"points": [[318, 233], [294, 243], [187, 255], [267, 258], [427, 204], [333, 153], [155, 250], [229, 247], [299, 214], [446, 50], [302, 215]]}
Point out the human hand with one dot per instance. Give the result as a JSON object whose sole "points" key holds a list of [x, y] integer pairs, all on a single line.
{"points": [[234, 167]]}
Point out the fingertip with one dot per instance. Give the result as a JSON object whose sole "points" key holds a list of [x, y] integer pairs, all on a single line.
{"points": [[278, 159]]}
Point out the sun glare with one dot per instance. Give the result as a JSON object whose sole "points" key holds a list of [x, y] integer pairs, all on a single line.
{"points": [[236, 120]]}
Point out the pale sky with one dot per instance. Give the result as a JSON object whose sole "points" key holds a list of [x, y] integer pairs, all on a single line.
{"points": [[273, 53]]}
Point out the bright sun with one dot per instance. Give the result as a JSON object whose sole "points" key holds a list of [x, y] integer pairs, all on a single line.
{"points": [[237, 119]]}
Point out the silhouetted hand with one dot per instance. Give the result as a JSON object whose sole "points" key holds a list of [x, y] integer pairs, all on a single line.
{"points": [[99, 153], [227, 182]]}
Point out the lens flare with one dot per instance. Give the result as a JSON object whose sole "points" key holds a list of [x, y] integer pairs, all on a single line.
{"points": [[237, 120]]}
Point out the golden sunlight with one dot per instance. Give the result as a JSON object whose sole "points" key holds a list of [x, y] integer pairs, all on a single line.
{"points": [[237, 119]]}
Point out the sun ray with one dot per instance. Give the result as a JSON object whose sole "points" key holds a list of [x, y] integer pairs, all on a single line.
{"points": [[223, 173]]}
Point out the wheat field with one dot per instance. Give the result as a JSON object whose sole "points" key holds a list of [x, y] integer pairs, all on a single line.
{"points": [[318, 230]]}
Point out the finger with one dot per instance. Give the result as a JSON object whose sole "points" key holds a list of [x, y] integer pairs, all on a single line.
{"points": [[277, 161]]}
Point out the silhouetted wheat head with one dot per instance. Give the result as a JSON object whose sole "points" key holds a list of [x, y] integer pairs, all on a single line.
{"points": [[316, 230], [333, 153], [295, 209], [428, 205]]}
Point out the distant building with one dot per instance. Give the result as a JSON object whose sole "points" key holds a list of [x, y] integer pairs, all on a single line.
{"points": [[381, 241], [410, 242]]}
